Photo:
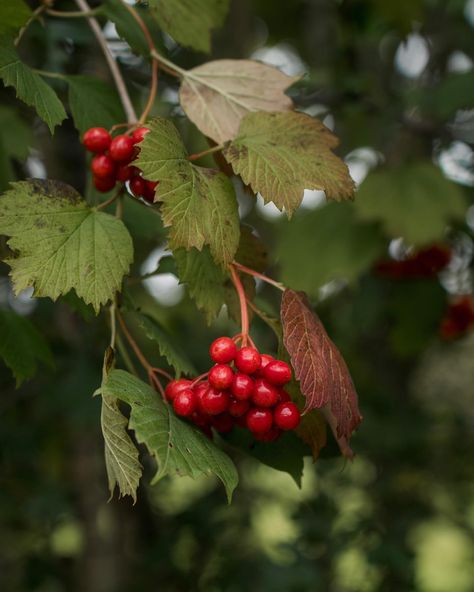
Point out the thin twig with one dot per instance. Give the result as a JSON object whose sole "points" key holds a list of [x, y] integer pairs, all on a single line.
{"points": [[168, 66], [113, 324], [258, 275], [74, 13], [104, 204], [244, 313], [206, 152], [138, 352], [124, 353], [114, 69]]}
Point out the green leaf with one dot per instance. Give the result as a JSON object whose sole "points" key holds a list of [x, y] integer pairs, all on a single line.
{"points": [[15, 139], [205, 280], [178, 447], [127, 27], [156, 333], [190, 22], [14, 14], [199, 204], [328, 244], [30, 87], [93, 103], [216, 95], [415, 202], [281, 154], [21, 346], [61, 243], [121, 454], [252, 251]]}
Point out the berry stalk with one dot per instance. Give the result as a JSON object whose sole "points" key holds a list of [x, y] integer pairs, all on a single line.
{"points": [[244, 313]]}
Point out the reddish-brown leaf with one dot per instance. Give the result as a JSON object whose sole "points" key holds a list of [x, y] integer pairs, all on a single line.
{"points": [[323, 375]]}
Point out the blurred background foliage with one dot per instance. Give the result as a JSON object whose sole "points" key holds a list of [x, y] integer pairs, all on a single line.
{"points": [[395, 81]]}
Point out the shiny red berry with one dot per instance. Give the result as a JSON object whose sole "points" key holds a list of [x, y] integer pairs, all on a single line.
{"points": [[139, 134], [138, 186], [104, 184], [121, 148], [273, 434], [277, 372], [125, 172], [214, 402], [200, 389], [238, 408], [96, 139], [264, 394], [175, 387], [184, 403], [223, 350], [242, 386], [258, 420], [265, 359], [222, 423], [247, 360], [220, 377], [150, 187], [102, 166], [287, 416]]}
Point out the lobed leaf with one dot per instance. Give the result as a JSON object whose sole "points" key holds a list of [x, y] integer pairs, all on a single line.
{"points": [[30, 87], [178, 447], [199, 204], [281, 154], [190, 22], [21, 346], [324, 379], [217, 95], [61, 243]]}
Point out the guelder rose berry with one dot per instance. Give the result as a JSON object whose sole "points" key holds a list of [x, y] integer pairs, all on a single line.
{"points": [[242, 386], [214, 402], [247, 360], [286, 416], [277, 372], [121, 148], [223, 350], [258, 420], [264, 394], [184, 403], [102, 166], [96, 139], [176, 386], [220, 377]]}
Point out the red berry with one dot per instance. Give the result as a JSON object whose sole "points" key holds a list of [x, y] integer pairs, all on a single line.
{"points": [[273, 434], [223, 350], [121, 148], [138, 186], [264, 394], [222, 423], [277, 372], [104, 184], [150, 187], [199, 418], [139, 134], [258, 420], [247, 360], [238, 408], [220, 377], [265, 359], [175, 387], [102, 166], [214, 402], [287, 416], [283, 396], [125, 172], [242, 386], [96, 139], [184, 403]]}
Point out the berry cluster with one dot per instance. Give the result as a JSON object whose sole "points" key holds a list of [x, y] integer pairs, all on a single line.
{"points": [[424, 263], [112, 160], [459, 318], [243, 388]]}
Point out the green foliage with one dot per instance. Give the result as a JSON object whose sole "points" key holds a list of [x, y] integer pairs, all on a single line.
{"points": [[29, 86], [22, 347], [281, 154], [15, 139], [190, 22], [152, 329], [126, 25], [415, 202], [328, 244], [13, 15], [178, 447], [93, 103], [199, 204], [61, 243]]}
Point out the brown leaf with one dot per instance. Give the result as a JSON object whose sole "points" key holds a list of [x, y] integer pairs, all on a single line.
{"points": [[323, 375], [312, 430], [216, 95]]}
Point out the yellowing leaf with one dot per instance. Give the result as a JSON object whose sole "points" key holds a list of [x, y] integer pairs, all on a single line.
{"points": [[63, 244], [178, 447], [199, 204], [217, 95], [190, 22], [281, 154], [416, 202]]}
